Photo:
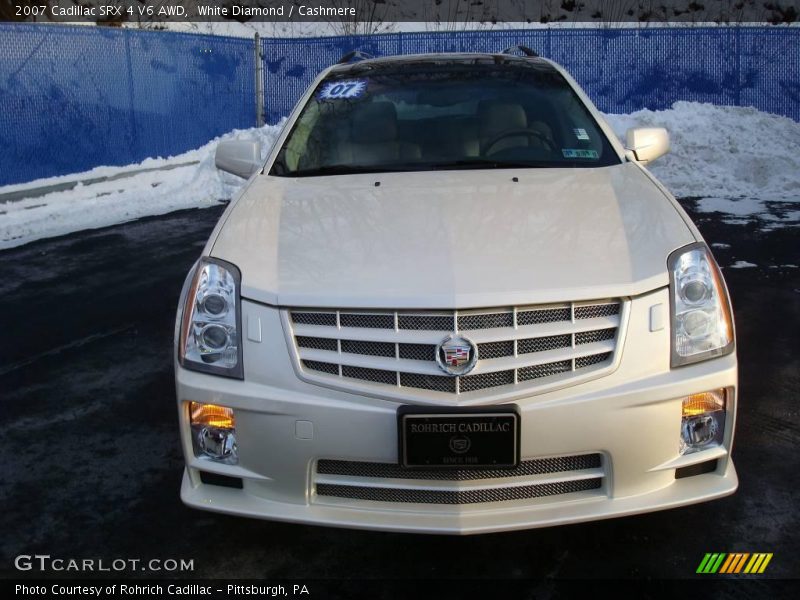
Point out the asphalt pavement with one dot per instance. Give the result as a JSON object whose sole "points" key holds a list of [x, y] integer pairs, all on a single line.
{"points": [[91, 465]]}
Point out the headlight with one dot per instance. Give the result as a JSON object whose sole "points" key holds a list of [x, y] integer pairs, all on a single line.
{"points": [[211, 322], [702, 325]]}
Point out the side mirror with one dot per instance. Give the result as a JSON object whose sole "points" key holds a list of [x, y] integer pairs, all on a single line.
{"points": [[240, 157], [645, 144]]}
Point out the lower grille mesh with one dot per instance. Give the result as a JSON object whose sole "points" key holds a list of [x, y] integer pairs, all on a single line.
{"points": [[457, 496], [537, 466]]}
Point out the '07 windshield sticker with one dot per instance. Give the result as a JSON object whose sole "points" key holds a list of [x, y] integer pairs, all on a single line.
{"points": [[340, 90], [581, 134], [578, 153]]}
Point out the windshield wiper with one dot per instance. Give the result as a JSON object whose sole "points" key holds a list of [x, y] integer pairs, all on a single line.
{"points": [[487, 163], [467, 163], [348, 170]]}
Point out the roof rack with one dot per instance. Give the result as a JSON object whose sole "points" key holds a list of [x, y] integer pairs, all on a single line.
{"points": [[519, 47], [355, 55]]}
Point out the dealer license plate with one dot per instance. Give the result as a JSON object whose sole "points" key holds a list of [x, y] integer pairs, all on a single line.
{"points": [[486, 437]]}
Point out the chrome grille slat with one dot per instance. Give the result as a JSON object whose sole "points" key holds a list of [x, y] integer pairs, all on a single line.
{"points": [[422, 336], [516, 346]]}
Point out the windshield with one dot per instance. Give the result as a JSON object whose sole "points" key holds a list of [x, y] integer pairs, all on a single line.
{"points": [[429, 117]]}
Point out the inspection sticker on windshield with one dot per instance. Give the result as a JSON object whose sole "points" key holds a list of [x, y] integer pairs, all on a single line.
{"points": [[581, 134], [340, 90], [578, 153]]}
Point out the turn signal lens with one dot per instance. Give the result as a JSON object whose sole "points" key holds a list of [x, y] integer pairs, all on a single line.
{"points": [[702, 421], [697, 404], [214, 433], [212, 415]]}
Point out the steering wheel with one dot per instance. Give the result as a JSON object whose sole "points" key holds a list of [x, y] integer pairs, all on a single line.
{"points": [[529, 133]]}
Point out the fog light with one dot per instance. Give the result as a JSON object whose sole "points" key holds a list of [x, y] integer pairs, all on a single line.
{"points": [[214, 433], [702, 421]]}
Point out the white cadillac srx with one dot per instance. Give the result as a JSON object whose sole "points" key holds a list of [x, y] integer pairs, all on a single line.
{"points": [[450, 301]]}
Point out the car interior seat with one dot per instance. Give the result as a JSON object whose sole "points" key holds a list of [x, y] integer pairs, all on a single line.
{"points": [[374, 137], [497, 117]]}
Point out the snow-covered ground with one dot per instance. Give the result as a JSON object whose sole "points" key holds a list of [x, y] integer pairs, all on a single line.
{"points": [[737, 161], [198, 184]]}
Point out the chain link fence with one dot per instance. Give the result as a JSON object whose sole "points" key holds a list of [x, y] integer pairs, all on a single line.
{"points": [[72, 98]]}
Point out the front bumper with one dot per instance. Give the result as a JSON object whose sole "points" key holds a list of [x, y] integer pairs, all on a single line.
{"points": [[631, 418]]}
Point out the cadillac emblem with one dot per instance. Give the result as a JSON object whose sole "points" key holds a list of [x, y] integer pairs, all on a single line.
{"points": [[456, 355]]}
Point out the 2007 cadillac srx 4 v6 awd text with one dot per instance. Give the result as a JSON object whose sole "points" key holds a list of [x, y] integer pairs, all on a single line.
{"points": [[451, 301]]}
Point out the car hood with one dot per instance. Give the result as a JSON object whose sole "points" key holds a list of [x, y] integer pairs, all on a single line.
{"points": [[451, 239]]}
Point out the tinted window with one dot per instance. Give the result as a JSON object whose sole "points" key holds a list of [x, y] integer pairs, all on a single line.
{"points": [[443, 117]]}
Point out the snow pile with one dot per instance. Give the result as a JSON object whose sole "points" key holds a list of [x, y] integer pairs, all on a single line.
{"points": [[124, 198], [726, 152], [738, 161]]}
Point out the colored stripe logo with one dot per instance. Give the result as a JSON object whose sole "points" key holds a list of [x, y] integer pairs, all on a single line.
{"points": [[734, 563]]}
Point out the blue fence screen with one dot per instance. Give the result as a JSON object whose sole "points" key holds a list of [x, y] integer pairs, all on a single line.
{"points": [[72, 98], [622, 70]]}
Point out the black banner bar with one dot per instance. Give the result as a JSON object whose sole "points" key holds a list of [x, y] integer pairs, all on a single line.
{"points": [[349, 589], [487, 12]]}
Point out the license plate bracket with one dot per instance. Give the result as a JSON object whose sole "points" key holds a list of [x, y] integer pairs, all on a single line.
{"points": [[484, 437]]}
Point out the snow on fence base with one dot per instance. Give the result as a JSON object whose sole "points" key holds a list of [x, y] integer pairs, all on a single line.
{"points": [[739, 161], [72, 98]]}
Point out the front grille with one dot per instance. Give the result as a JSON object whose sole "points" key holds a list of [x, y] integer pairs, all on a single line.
{"points": [[548, 315], [472, 383], [314, 318], [417, 496], [486, 321], [437, 383], [494, 349], [389, 482], [377, 375], [545, 370], [427, 323], [536, 466], [367, 320], [368, 348], [516, 346], [418, 351], [323, 367]]}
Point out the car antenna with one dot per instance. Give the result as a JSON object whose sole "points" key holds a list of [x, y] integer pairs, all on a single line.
{"points": [[353, 56]]}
